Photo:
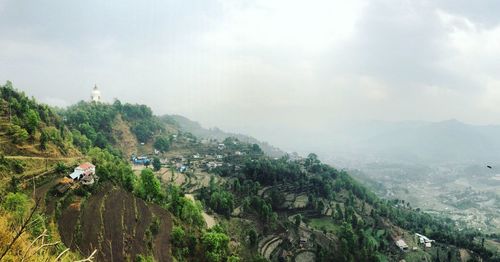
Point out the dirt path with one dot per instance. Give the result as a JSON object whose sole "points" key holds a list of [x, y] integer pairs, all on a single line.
{"points": [[41, 158], [209, 220]]}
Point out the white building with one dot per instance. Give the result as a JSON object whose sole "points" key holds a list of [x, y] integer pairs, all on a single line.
{"points": [[96, 95], [83, 170], [402, 245], [424, 240]]}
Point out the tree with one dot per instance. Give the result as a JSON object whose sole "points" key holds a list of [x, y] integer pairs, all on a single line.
{"points": [[190, 212], [215, 245], [143, 258], [252, 237], [32, 121], [18, 134], [162, 144], [44, 138], [14, 184], [297, 218], [156, 164], [150, 185], [61, 167], [17, 204], [256, 149], [178, 236]]}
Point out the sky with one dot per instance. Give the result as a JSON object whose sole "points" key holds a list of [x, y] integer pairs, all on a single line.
{"points": [[283, 71]]}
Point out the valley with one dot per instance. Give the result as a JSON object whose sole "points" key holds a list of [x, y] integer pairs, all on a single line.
{"points": [[114, 182], [468, 194]]}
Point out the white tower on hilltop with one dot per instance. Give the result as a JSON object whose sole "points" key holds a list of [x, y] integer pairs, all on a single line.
{"points": [[96, 95]]}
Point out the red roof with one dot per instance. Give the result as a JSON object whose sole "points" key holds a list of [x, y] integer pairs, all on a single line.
{"points": [[86, 166]]}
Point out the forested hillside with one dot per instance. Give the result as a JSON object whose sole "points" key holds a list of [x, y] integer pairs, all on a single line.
{"points": [[215, 133], [215, 200]]}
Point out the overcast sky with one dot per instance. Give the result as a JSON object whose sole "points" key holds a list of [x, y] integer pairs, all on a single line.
{"points": [[280, 70]]}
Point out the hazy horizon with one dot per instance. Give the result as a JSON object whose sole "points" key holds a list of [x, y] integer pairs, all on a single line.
{"points": [[280, 71]]}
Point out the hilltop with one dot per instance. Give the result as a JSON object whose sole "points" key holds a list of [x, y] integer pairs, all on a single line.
{"points": [[199, 199]]}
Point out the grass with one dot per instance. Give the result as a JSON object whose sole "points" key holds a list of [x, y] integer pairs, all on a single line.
{"points": [[419, 255], [324, 223]]}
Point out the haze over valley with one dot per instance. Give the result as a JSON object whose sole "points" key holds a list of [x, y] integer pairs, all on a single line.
{"points": [[254, 130]]}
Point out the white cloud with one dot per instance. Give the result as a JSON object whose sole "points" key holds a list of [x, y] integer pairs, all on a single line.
{"points": [[261, 65], [291, 25]]}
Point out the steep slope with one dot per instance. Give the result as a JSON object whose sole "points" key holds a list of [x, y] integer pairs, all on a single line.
{"points": [[125, 140], [118, 225], [31, 129]]}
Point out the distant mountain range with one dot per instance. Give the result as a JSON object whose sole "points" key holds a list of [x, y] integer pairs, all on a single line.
{"points": [[425, 142]]}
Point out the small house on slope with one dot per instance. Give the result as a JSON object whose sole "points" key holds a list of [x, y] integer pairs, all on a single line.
{"points": [[84, 172], [402, 245], [424, 240]]}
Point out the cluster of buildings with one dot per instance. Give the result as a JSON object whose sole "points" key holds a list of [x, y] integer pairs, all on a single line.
{"points": [[207, 160], [421, 239], [140, 160]]}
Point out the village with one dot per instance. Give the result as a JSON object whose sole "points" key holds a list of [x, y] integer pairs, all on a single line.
{"points": [[192, 170]]}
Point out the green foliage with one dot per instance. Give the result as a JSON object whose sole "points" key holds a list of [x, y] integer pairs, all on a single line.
{"points": [[81, 141], [61, 167], [144, 258], [112, 167], [177, 236], [162, 144], [215, 245], [269, 171], [144, 124], [262, 209], [297, 219], [150, 187], [155, 226], [26, 115], [17, 204], [218, 199], [44, 139], [37, 225], [191, 212], [14, 184], [252, 237], [156, 164], [32, 121], [92, 120], [182, 207], [179, 241], [18, 134]]}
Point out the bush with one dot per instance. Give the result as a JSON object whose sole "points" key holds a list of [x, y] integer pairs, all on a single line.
{"points": [[61, 167], [17, 166], [156, 164], [18, 134], [17, 204]]}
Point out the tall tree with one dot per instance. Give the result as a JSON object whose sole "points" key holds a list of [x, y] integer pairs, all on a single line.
{"points": [[150, 185]]}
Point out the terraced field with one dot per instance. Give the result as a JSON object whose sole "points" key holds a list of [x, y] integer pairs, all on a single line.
{"points": [[118, 225]]}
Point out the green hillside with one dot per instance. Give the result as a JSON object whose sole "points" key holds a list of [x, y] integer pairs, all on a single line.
{"points": [[220, 199]]}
